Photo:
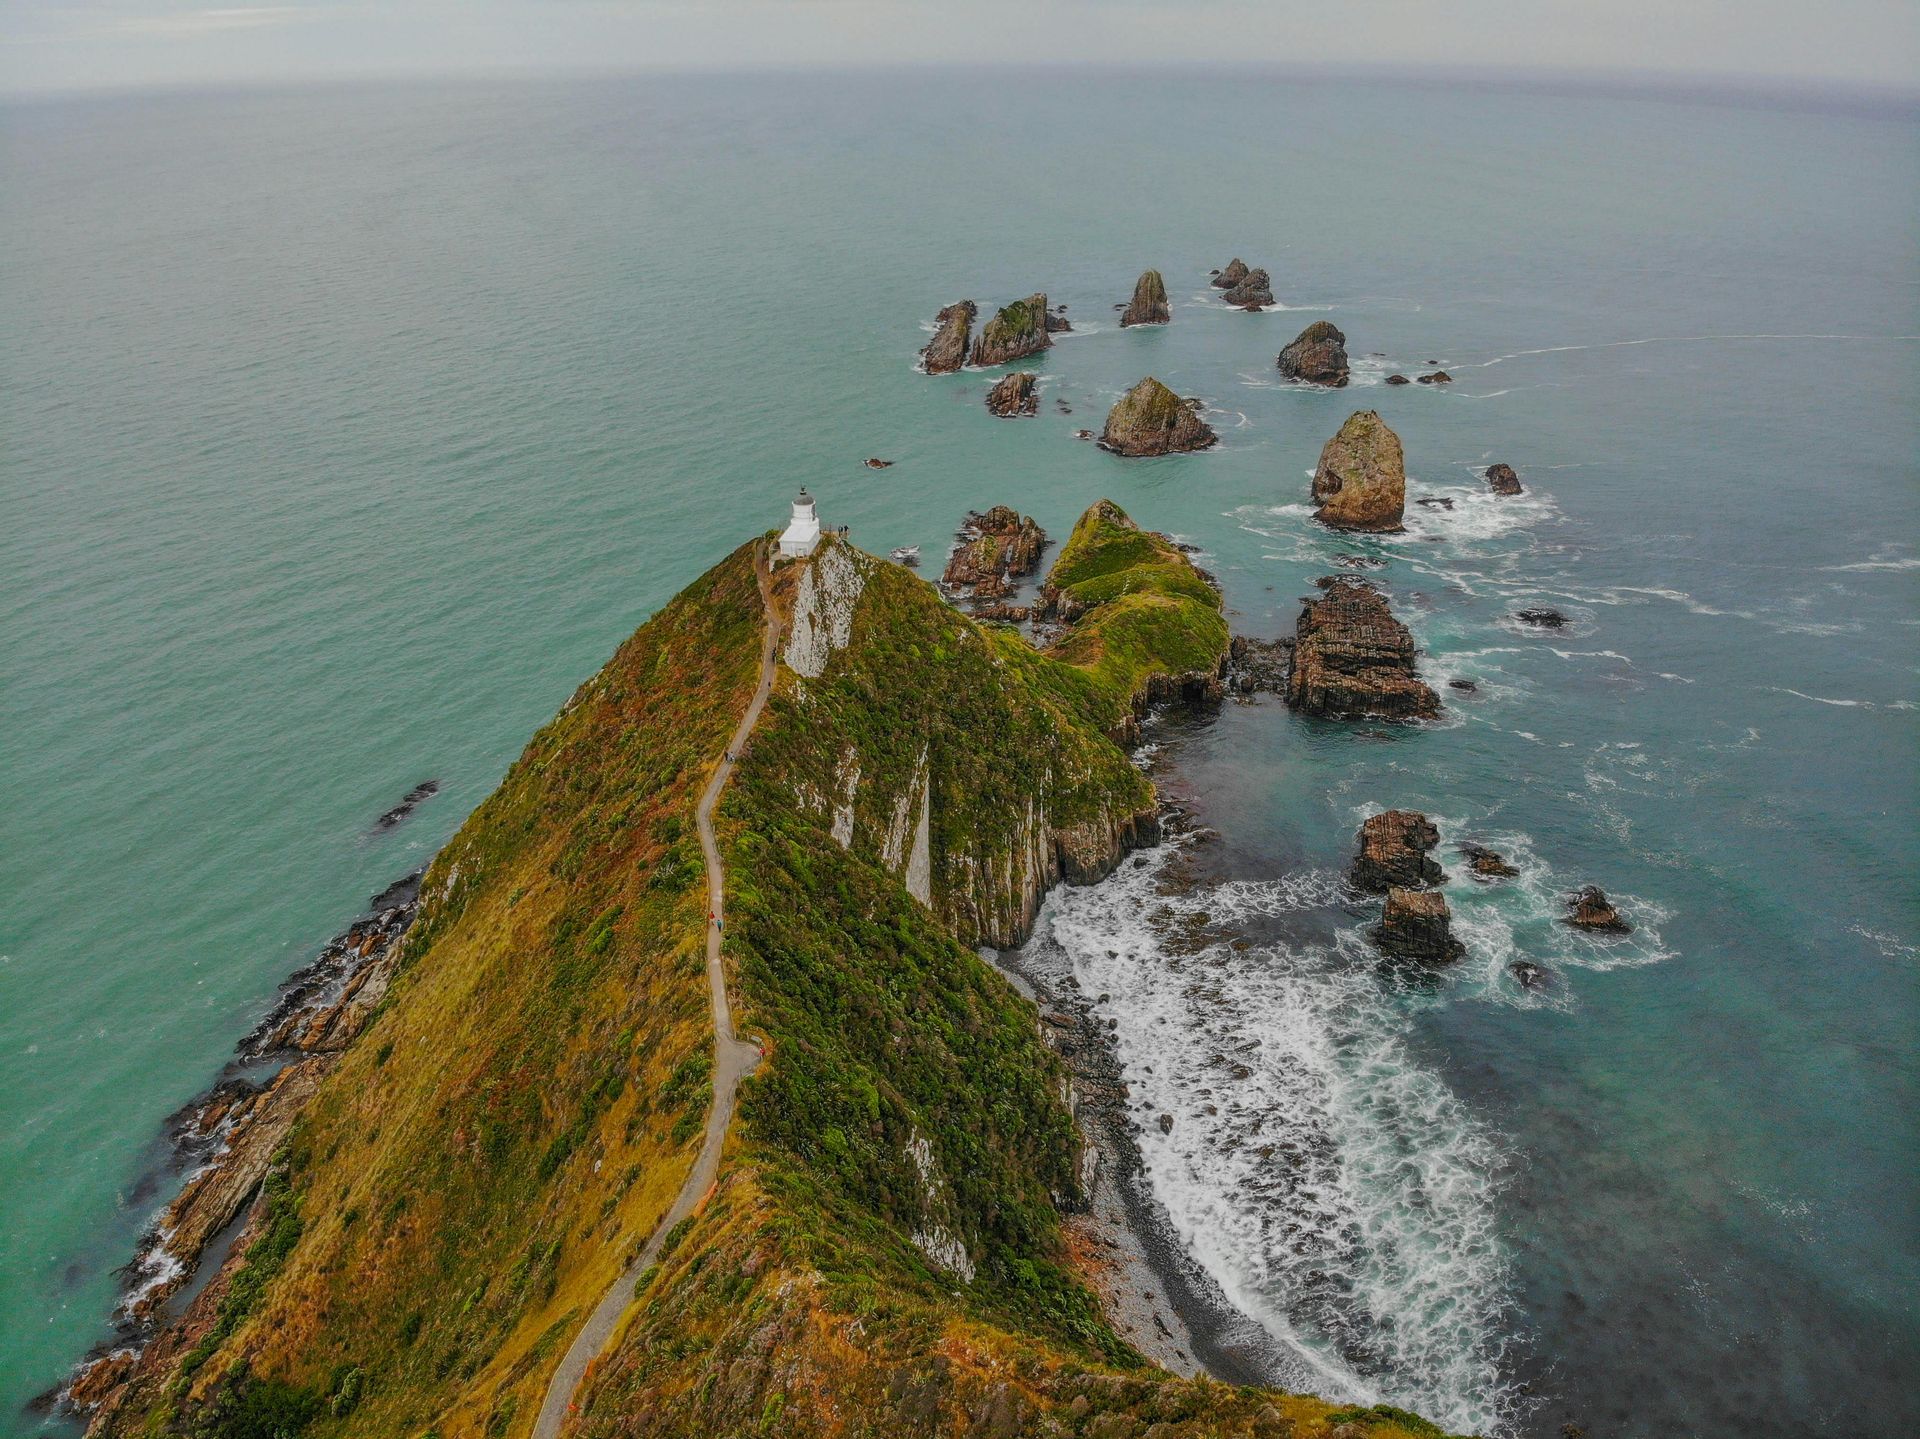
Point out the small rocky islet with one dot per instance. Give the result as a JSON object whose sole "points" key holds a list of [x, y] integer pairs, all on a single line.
{"points": [[1014, 396], [1151, 420], [1149, 304], [1317, 356]]}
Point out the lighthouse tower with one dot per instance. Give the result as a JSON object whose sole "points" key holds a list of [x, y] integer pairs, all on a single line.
{"points": [[803, 530]]}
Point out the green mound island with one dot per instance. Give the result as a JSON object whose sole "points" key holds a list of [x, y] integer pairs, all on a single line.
{"points": [[882, 1253]]}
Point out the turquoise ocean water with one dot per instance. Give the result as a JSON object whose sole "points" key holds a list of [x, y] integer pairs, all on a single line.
{"points": [[342, 433]]}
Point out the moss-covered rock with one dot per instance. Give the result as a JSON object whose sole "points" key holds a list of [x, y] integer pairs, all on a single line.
{"points": [[1149, 305], [1361, 481], [1318, 355], [1151, 420], [1019, 329]]}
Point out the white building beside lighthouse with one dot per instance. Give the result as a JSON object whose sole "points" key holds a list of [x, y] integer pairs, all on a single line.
{"points": [[802, 533]]}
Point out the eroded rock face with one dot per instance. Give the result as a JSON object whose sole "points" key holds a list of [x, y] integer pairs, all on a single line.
{"points": [[1018, 394], [1361, 482], [1353, 660], [1590, 909], [1502, 480], [1417, 926], [1395, 851], [1018, 330], [1317, 356], [1149, 305], [1487, 863], [1235, 272], [1151, 420], [1253, 291], [947, 350], [997, 549]]}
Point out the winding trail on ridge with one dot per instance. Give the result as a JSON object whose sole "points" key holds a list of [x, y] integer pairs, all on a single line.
{"points": [[734, 1059]]}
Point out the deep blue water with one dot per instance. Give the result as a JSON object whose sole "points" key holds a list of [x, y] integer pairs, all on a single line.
{"points": [[343, 432]]}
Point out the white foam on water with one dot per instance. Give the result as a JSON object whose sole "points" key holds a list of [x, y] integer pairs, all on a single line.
{"points": [[1337, 1190]]}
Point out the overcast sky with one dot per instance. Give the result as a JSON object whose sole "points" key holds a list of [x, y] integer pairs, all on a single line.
{"points": [[69, 44]]}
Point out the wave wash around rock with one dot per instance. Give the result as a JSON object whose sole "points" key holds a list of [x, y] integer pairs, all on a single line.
{"points": [[881, 1253]]}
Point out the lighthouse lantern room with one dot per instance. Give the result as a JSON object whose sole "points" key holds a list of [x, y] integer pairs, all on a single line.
{"points": [[802, 533]]}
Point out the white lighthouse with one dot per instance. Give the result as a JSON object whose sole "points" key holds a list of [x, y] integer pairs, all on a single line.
{"points": [[803, 530]]}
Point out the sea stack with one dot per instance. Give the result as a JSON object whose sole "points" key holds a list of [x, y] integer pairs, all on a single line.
{"points": [[1317, 356], [1418, 926], [1253, 292], [1394, 848], [1235, 272], [1502, 480], [996, 548], [1353, 660], [1149, 306], [1013, 396], [1361, 482], [1151, 420], [1018, 330], [947, 351]]}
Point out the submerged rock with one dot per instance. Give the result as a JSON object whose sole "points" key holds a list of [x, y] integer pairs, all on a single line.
{"points": [[1318, 355], [1151, 420], [1019, 329], [1253, 292], [1361, 482], [1353, 660], [1398, 380], [426, 789], [1417, 925], [1394, 853], [1464, 686], [996, 549], [1590, 909], [1543, 619], [1438, 377], [1235, 272], [947, 350], [1502, 480], [1530, 975], [1487, 863], [1015, 395], [1149, 306]]}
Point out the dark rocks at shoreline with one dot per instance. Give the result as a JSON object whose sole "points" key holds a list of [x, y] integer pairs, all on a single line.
{"points": [[1151, 420], [1417, 925], [1253, 292], [1317, 356], [1149, 305], [1487, 863], [947, 350], [1395, 853], [1018, 394], [1235, 272], [426, 789], [1438, 377], [1353, 660], [1502, 480], [1017, 330], [1361, 481], [997, 549], [1467, 687], [1541, 619], [1398, 380], [1256, 666], [1591, 910]]}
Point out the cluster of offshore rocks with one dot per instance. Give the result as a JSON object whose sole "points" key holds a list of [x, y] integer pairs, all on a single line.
{"points": [[1395, 859], [994, 551], [1245, 289]]}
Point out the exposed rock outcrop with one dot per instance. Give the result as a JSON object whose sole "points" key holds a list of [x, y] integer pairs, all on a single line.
{"points": [[1541, 618], [1398, 380], [1353, 660], [1590, 909], [1017, 394], [1149, 306], [1361, 482], [1438, 377], [1417, 925], [1254, 291], [996, 549], [1235, 272], [1151, 420], [874, 462], [1255, 665], [1502, 480], [947, 350], [1487, 863], [1395, 848], [1057, 321], [1318, 355], [1019, 329]]}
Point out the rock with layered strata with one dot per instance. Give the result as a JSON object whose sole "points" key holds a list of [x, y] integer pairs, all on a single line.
{"points": [[1396, 851], [1252, 293], [1591, 910], [1417, 926], [997, 549], [1151, 420], [1353, 660], [1017, 394], [1487, 863], [947, 350], [1149, 305], [1317, 356], [1361, 481], [1017, 330]]}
